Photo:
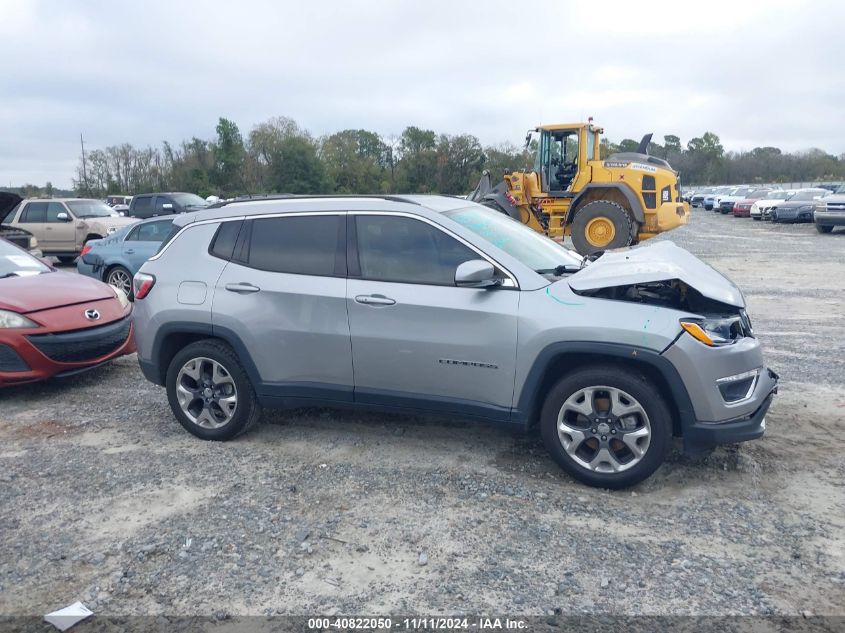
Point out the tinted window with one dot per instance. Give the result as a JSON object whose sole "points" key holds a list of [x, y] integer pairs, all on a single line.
{"points": [[142, 206], [35, 212], [53, 211], [398, 249], [91, 209], [302, 245], [224, 241], [160, 202]]}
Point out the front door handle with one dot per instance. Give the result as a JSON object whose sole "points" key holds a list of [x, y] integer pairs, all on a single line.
{"points": [[242, 288], [375, 300], [129, 251]]}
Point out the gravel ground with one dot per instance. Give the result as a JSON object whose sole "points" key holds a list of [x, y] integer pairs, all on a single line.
{"points": [[106, 499]]}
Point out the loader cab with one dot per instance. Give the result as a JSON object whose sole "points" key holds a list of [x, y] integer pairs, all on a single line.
{"points": [[562, 155]]}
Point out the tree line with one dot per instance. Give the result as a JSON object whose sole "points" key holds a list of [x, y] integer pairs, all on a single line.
{"points": [[279, 156]]}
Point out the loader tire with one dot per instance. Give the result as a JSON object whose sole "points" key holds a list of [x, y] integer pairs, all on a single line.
{"points": [[602, 225]]}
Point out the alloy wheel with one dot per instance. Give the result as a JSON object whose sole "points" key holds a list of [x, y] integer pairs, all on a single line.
{"points": [[604, 429], [206, 393], [120, 279]]}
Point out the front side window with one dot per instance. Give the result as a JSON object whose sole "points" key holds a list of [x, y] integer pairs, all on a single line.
{"points": [[189, 200], [53, 211], [34, 212], [160, 202], [302, 245], [405, 250]]}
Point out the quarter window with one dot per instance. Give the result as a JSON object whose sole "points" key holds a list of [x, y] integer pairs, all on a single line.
{"points": [[305, 245], [404, 250]]}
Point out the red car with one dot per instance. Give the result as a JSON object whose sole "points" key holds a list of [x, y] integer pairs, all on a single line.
{"points": [[54, 323], [742, 208]]}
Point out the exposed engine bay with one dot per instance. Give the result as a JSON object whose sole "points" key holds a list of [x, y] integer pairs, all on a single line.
{"points": [[677, 295]]}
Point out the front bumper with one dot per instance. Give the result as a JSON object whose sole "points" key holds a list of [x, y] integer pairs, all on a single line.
{"points": [[33, 356], [702, 436], [826, 218], [714, 419]]}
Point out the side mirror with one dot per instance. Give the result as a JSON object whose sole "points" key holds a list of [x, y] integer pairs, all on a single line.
{"points": [[63, 217], [476, 273], [167, 206]]}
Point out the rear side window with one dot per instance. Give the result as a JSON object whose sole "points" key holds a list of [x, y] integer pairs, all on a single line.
{"points": [[152, 231], [160, 202], [34, 212], [303, 245], [142, 207], [224, 240]]}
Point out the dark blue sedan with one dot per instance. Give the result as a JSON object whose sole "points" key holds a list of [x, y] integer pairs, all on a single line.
{"points": [[116, 258]]}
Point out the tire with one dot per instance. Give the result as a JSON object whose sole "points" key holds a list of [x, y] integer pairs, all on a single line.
{"points": [[821, 228], [629, 386], [120, 277], [66, 259], [599, 219], [211, 421], [773, 217]]}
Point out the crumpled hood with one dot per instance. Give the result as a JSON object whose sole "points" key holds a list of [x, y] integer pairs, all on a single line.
{"points": [[49, 290], [662, 261]]}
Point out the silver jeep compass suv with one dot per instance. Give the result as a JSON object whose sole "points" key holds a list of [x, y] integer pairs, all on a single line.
{"points": [[436, 304]]}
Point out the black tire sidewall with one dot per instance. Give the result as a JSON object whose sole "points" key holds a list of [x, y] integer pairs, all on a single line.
{"points": [[821, 228], [630, 382], [247, 403], [622, 221]]}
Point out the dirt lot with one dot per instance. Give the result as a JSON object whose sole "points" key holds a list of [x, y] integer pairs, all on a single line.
{"points": [[107, 500]]}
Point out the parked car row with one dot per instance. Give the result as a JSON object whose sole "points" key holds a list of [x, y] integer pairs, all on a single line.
{"points": [[817, 205]]}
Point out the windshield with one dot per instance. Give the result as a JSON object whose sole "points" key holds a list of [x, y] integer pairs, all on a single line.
{"points": [[760, 193], [840, 189], [90, 209], [742, 191], [812, 194], [189, 200], [16, 263], [517, 240]]}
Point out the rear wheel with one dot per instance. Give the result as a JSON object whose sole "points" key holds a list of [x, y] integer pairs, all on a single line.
{"points": [[67, 259], [209, 392], [821, 228], [606, 426], [120, 278], [602, 225]]}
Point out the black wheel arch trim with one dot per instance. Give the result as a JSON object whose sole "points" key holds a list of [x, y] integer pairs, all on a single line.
{"points": [[636, 206], [530, 398]]}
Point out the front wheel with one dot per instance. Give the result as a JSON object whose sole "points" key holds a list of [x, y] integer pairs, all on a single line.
{"points": [[821, 228], [602, 225], [209, 392], [606, 426]]}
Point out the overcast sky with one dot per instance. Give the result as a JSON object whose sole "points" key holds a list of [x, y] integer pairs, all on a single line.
{"points": [[755, 72]]}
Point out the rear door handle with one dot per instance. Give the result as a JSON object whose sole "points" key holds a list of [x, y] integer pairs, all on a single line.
{"points": [[375, 300], [242, 288]]}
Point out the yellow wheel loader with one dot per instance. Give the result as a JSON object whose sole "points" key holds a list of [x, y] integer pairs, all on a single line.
{"points": [[601, 204]]}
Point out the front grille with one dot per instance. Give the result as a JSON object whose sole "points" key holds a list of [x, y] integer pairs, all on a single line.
{"points": [[10, 361], [727, 206], [82, 345], [836, 206]]}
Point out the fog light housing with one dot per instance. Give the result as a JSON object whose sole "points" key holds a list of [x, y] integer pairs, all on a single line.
{"points": [[738, 387]]}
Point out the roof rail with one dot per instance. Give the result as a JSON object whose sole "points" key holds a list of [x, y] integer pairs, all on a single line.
{"points": [[289, 196]]}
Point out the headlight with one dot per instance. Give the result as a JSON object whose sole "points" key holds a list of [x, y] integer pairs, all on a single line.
{"points": [[121, 297], [14, 320], [807, 207], [717, 331]]}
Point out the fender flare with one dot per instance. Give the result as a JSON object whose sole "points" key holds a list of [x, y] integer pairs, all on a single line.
{"points": [[530, 398], [635, 204]]}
